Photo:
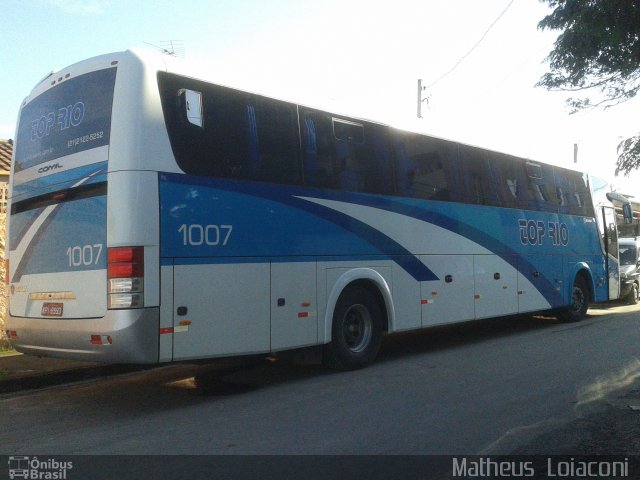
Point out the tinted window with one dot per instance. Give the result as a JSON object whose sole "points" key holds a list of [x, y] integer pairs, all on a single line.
{"points": [[540, 187], [480, 180], [522, 183], [572, 192], [426, 167], [277, 142], [242, 136], [345, 155], [71, 117], [511, 178], [218, 131]]}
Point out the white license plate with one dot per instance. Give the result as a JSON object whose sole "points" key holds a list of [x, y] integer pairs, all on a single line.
{"points": [[52, 309]]}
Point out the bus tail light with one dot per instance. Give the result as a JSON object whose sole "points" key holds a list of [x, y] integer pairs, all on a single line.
{"points": [[125, 276]]}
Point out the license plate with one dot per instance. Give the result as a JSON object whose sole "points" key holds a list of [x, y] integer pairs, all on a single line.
{"points": [[52, 309]]}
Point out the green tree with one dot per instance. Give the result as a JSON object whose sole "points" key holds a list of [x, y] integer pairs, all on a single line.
{"points": [[597, 52]]}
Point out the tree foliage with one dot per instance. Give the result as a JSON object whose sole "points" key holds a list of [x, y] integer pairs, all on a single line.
{"points": [[597, 51]]}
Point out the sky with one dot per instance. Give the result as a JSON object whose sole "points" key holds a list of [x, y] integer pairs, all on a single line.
{"points": [[357, 57]]}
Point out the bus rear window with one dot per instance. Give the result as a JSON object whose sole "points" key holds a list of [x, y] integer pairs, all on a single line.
{"points": [[71, 117]]}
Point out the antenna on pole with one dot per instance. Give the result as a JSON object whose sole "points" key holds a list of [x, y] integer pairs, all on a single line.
{"points": [[421, 89]]}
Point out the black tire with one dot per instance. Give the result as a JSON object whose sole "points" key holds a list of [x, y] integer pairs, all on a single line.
{"points": [[356, 331], [579, 302], [632, 298]]}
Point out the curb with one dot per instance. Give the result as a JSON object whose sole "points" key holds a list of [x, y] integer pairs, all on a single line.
{"points": [[12, 383]]}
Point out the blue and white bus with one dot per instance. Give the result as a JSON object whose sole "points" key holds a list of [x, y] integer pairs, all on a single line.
{"points": [[158, 217]]}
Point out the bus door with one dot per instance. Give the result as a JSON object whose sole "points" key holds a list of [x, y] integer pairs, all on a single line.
{"points": [[611, 248]]}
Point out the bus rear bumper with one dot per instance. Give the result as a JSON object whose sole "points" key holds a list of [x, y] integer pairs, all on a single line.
{"points": [[121, 336]]}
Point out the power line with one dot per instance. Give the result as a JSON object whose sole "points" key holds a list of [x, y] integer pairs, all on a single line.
{"points": [[472, 48]]}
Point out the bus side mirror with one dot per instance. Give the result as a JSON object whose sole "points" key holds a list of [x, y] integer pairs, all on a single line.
{"points": [[190, 107], [627, 213]]}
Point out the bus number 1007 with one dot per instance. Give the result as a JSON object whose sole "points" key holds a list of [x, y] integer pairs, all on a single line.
{"points": [[84, 255], [212, 235]]}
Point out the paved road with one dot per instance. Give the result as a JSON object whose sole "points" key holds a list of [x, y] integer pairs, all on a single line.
{"points": [[489, 387]]}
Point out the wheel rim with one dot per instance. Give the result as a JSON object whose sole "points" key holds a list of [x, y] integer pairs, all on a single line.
{"points": [[357, 328], [577, 299]]}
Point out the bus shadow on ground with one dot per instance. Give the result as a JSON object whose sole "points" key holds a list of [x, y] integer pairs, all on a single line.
{"points": [[449, 336], [216, 380], [476, 331]]}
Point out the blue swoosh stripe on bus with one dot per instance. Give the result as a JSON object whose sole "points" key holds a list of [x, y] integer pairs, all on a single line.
{"points": [[56, 181], [518, 261], [37, 234], [92, 177], [287, 195], [383, 243], [388, 247]]}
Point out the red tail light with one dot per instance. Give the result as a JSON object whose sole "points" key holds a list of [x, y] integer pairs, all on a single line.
{"points": [[125, 272], [125, 262]]}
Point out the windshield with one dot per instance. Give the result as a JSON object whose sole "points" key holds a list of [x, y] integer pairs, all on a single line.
{"points": [[628, 254]]}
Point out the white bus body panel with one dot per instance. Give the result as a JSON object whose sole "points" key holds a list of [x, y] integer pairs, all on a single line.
{"points": [[139, 136], [227, 307], [294, 307], [529, 297], [165, 353], [496, 290], [446, 301]]}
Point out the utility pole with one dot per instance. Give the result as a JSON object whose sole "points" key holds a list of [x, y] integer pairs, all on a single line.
{"points": [[420, 99], [575, 153]]}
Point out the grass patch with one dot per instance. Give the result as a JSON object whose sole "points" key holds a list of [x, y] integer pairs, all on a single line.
{"points": [[5, 347]]}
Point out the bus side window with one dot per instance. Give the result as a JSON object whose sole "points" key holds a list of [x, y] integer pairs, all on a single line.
{"points": [[540, 186], [572, 190], [510, 180], [379, 178], [217, 147], [481, 184], [226, 145], [190, 106], [364, 157], [425, 167], [318, 150], [348, 136], [344, 154], [404, 168], [273, 142]]}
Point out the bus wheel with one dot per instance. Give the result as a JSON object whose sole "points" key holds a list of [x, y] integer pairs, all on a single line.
{"points": [[579, 302], [356, 331]]}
